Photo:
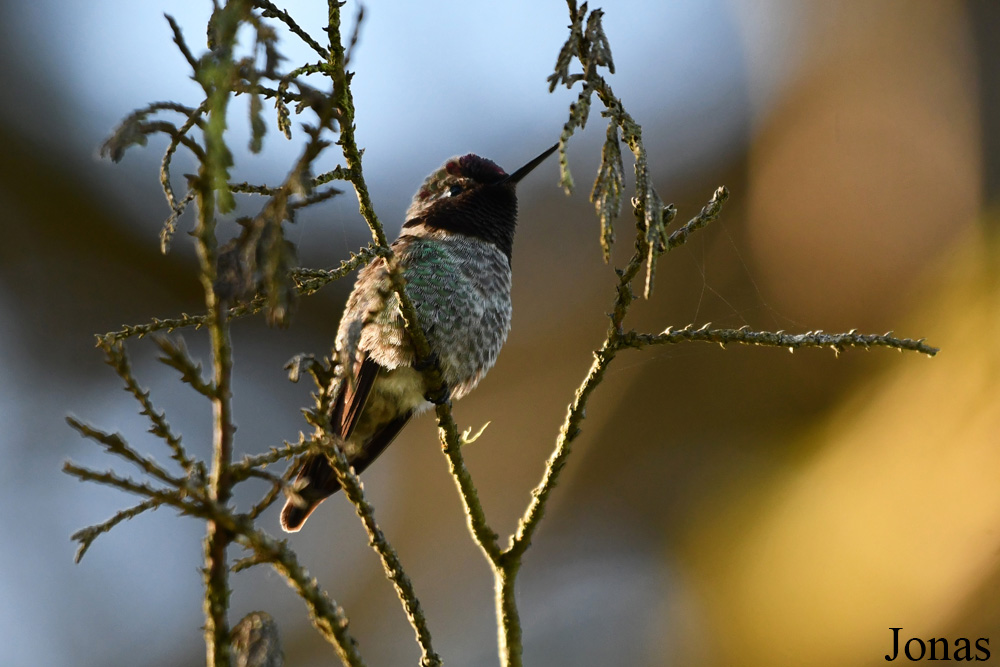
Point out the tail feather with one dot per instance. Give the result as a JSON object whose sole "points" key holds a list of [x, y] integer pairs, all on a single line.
{"points": [[320, 483], [321, 480], [293, 517]]}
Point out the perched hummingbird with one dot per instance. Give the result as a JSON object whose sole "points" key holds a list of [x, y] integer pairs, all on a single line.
{"points": [[455, 249]]}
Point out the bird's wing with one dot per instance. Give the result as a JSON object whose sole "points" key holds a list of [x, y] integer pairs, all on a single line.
{"points": [[353, 396], [347, 409], [322, 480], [378, 442]]}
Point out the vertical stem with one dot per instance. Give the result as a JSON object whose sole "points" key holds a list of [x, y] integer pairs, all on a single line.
{"points": [[480, 529], [508, 620], [217, 538], [216, 76]]}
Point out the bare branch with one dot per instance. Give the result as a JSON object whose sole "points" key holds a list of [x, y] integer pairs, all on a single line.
{"points": [[358, 20], [117, 358], [708, 214], [179, 499], [272, 11], [181, 44], [176, 356], [307, 282], [116, 444], [746, 336], [390, 559], [177, 208], [242, 469], [86, 536], [448, 430]]}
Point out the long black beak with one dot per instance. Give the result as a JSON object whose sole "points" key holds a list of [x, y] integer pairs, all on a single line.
{"points": [[526, 169]]}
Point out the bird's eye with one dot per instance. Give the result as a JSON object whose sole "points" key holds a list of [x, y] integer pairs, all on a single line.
{"points": [[454, 190]]}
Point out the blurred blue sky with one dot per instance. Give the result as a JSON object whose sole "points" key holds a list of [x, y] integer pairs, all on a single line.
{"points": [[434, 78]]}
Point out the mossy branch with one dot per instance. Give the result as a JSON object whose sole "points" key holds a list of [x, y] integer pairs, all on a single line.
{"points": [[117, 358], [391, 564], [272, 11], [306, 281], [214, 72], [746, 336], [86, 536], [326, 614]]}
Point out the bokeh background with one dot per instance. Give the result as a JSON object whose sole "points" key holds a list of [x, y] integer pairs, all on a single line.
{"points": [[737, 507]]}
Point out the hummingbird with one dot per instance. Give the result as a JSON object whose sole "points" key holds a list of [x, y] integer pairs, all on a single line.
{"points": [[455, 250]]}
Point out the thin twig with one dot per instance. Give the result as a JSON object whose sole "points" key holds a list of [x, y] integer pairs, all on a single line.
{"points": [[241, 470], [708, 214], [116, 444], [358, 20], [528, 524], [746, 336], [272, 11], [390, 559], [176, 209], [307, 282], [181, 44], [274, 494], [118, 359], [86, 536], [183, 500], [176, 356]]}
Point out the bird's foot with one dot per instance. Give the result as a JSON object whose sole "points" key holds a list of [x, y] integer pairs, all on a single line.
{"points": [[430, 361], [441, 396], [443, 393]]}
